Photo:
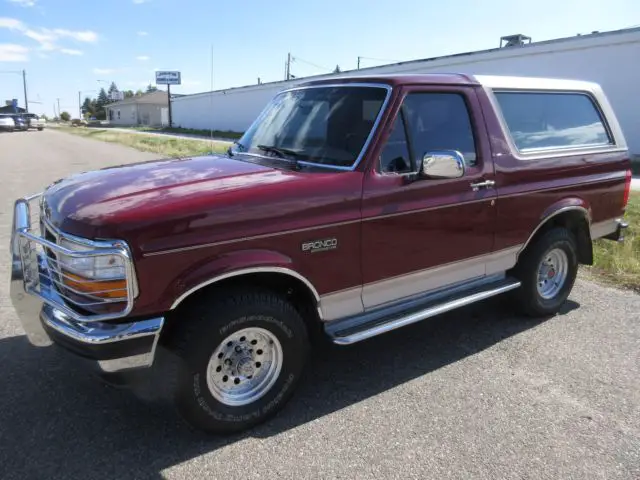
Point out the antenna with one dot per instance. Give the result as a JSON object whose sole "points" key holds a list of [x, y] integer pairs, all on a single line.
{"points": [[211, 100]]}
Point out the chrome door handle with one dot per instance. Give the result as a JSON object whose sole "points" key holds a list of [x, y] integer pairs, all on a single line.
{"points": [[484, 184]]}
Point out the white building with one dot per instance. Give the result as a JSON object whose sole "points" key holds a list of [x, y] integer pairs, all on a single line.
{"points": [[149, 109], [611, 59]]}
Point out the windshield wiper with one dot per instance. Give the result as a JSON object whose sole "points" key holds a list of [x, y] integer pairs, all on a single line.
{"points": [[282, 153], [241, 148]]}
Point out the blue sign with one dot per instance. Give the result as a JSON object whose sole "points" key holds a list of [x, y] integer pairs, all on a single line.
{"points": [[14, 104]]}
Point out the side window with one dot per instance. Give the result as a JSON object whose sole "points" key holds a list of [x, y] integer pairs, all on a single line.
{"points": [[440, 121], [552, 120], [395, 156]]}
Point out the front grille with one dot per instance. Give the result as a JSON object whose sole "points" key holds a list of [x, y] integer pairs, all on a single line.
{"points": [[48, 277]]}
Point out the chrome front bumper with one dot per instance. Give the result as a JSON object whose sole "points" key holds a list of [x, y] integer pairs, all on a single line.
{"points": [[115, 345]]}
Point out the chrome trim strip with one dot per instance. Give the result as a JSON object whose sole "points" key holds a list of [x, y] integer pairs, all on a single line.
{"points": [[423, 314], [353, 301], [427, 209], [423, 281], [543, 221], [248, 271], [254, 237], [604, 228]]}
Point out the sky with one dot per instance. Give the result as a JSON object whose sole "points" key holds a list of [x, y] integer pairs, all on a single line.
{"points": [[71, 46]]}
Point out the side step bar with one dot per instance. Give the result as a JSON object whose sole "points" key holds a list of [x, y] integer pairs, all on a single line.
{"points": [[346, 332]]}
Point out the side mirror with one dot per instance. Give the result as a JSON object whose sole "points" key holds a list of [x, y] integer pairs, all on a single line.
{"points": [[443, 164]]}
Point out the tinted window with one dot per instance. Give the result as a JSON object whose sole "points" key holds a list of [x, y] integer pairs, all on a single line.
{"points": [[552, 120], [395, 154], [324, 125], [439, 121]]}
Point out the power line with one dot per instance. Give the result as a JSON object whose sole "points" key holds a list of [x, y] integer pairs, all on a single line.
{"points": [[298, 59]]}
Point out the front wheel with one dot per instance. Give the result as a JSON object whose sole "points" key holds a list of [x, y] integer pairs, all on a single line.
{"points": [[547, 271], [241, 357]]}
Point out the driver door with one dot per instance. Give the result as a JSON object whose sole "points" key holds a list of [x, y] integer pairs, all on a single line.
{"points": [[421, 235]]}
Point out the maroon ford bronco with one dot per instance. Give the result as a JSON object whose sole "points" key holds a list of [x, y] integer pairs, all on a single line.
{"points": [[351, 207]]}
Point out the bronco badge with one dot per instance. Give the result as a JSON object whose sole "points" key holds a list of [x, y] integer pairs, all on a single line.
{"points": [[320, 245]]}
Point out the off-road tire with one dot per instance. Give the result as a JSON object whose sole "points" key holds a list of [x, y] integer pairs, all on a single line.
{"points": [[203, 326], [527, 297]]}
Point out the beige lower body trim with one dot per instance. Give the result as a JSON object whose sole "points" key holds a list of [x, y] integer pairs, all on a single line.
{"points": [[602, 229], [356, 300]]}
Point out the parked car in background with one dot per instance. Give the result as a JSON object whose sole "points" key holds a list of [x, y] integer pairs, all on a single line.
{"points": [[34, 121], [20, 122], [349, 208], [7, 124]]}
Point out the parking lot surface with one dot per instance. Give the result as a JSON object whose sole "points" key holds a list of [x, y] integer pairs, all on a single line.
{"points": [[478, 393]]}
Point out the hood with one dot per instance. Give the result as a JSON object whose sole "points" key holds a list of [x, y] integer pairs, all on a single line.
{"points": [[100, 203]]}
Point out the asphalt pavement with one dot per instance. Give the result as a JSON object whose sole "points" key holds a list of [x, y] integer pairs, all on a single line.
{"points": [[474, 394]]}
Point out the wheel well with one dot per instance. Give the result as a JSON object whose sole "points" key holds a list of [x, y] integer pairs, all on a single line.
{"points": [[576, 223], [293, 289]]}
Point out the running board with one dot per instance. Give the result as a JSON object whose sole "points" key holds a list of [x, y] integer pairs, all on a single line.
{"points": [[348, 331]]}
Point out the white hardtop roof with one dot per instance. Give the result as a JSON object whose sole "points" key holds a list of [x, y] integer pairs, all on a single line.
{"points": [[535, 83]]}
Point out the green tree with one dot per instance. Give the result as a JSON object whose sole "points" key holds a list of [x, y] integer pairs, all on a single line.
{"points": [[101, 101], [128, 93], [87, 110], [151, 88], [65, 116], [139, 92]]}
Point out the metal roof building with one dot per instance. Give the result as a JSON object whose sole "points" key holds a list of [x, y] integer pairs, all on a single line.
{"points": [[611, 59]]}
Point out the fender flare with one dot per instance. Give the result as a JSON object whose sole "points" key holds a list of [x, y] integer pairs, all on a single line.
{"points": [[554, 211], [247, 263]]}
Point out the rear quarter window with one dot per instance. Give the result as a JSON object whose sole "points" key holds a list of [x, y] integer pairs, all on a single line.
{"points": [[546, 120]]}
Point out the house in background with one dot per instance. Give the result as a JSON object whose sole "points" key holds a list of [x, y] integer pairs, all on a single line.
{"points": [[150, 109], [11, 109]]}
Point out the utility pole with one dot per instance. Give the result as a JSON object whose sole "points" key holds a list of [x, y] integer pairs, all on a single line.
{"points": [[24, 84], [54, 109], [288, 75], [359, 62], [59, 112], [79, 105]]}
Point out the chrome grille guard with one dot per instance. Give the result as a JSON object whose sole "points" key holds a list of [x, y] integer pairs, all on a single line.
{"points": [[44, 278]]}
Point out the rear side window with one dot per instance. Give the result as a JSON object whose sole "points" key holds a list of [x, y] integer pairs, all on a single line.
{"points": [[540, 120]]}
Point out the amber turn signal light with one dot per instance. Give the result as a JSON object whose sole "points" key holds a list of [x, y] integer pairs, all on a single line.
{"points": [[112, 289]]}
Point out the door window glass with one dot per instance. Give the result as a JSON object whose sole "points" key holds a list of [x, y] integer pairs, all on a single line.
{"points": [[395, 154], [439, 121]]}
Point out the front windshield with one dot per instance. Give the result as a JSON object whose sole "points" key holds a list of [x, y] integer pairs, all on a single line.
{"points": [[320, 125]]}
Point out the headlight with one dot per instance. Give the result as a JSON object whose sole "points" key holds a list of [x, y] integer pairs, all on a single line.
{"points": [[98, 268], [99, 276]]}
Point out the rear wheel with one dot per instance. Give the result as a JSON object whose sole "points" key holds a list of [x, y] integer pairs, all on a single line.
{"points": [[240, 357], [547, 271]]}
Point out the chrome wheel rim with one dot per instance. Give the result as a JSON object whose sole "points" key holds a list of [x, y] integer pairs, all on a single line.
{"points": [[244, 366], [552, 273]]}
